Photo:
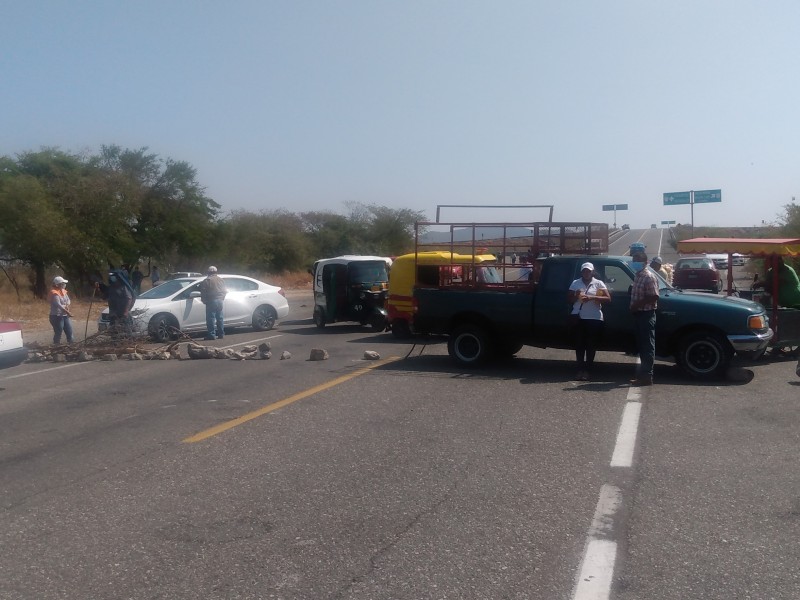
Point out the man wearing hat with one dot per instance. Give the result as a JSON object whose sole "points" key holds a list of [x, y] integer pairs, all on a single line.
{"points": [[59, 310], [587, 295], [644, 301], [212, 294]]}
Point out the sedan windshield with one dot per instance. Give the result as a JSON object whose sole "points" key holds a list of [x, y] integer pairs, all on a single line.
{"points": [[166, 289]]}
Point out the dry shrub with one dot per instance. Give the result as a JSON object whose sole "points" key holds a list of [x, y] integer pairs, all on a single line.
{"points": [[297, 280]]}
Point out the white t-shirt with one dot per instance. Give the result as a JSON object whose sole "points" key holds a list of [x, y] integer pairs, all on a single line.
{"points": [[591, 309]]}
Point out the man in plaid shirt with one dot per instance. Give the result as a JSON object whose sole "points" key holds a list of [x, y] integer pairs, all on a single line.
{"points": [[644, 301]]}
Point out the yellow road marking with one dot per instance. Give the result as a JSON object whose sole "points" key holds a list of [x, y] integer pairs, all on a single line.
{"points": [[222, 427]]}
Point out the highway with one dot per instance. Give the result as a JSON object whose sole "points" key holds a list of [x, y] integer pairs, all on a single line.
{"points": [[405, 478]]}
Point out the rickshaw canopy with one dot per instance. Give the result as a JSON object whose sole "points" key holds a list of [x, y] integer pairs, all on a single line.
{"points": [[753, 247]]}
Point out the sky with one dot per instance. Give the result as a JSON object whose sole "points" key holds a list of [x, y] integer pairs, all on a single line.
{"points": [[310, 105]]}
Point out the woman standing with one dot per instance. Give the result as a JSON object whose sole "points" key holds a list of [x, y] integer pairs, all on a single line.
{"points": [[59, 310], [587, 295]]}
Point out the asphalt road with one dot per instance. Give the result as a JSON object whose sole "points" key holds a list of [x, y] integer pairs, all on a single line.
{"points": [[403, 478]]}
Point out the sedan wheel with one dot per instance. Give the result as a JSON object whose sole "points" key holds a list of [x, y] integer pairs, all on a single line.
{"points": [[264, 318], [163, 328]]}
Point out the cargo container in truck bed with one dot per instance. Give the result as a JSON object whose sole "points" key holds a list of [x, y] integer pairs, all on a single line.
{"points": [[483, 321]]}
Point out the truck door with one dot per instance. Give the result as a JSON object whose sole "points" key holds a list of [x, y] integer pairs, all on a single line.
{"points": [[616, 314], [550, 302]]}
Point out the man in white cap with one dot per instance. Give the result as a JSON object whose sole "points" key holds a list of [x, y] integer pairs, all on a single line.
{"points": [[587, 295], [212, 294], [59, 310]]}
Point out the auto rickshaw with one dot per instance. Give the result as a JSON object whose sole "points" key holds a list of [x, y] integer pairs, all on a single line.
{"points": [[351, 288], [432, 269], [784, 320]]}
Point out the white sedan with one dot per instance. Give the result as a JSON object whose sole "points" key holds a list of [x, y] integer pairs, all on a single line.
{"points": [[174, 306], [12, 350]]}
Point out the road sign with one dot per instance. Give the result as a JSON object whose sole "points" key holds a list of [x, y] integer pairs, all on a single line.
{"points": [[707, 196], [668, 222], [673, 198], [609, 207], [622, 207], [615, 207]]}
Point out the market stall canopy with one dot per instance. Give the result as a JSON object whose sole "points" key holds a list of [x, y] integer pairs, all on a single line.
{"points": [[747, 246]]}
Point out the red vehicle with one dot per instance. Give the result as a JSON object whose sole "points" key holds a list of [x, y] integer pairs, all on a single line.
{"points": [[696, 273]]}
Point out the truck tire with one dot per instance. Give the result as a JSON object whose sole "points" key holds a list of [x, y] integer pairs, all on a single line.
{"points": [[704, 355], [469, 345]]}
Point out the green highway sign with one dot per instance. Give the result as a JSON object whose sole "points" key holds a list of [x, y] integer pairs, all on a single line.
{"points": [[608, 207], [615, 207], [707, 196], [668, 222], [673, 198]]}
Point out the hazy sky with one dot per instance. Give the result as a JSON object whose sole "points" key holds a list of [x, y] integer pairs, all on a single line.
{"points": [[409, 104]]}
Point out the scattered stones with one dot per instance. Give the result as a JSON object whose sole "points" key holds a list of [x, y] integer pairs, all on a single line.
{"points": [[318, 354], [371, 355], [109, 357], [286, 355]]}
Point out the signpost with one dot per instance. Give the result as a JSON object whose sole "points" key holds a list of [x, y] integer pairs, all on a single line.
{"points": [[668, 222], [692, 197], [615, 208]]}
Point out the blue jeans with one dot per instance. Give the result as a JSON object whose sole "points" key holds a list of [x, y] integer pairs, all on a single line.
{"points": [[644, 325], [61, 324], [214, 319]]}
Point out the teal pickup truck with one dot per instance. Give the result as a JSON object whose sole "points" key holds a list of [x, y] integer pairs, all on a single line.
{"points": [[702, 331]]}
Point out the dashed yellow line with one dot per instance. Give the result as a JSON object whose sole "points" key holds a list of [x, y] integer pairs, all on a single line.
{"points": [[222, 427]]}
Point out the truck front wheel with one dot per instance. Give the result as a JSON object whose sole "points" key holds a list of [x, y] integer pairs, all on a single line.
{"points": [[469, 345], [704, 355]]}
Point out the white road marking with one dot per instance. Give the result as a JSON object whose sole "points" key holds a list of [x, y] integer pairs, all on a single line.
{"points": [[596, 572], [626, 437], [40, 371]]}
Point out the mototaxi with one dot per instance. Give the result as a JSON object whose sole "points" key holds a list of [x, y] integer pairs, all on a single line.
{"points": [[351, 288], [432, 269]]}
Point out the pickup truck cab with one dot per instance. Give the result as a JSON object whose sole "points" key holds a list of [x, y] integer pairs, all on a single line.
{"points": [[701, 331]]}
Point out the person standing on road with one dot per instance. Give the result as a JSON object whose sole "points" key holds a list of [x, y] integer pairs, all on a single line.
{"points": [[59, 310], [136, 280], [212, 294], [788, 284], [120, 300], [644, 302], [587, 295]]}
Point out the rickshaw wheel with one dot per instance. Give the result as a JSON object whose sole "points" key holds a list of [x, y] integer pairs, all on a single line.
{"points": [[377, 323], [401, 329], [319, 317]]}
